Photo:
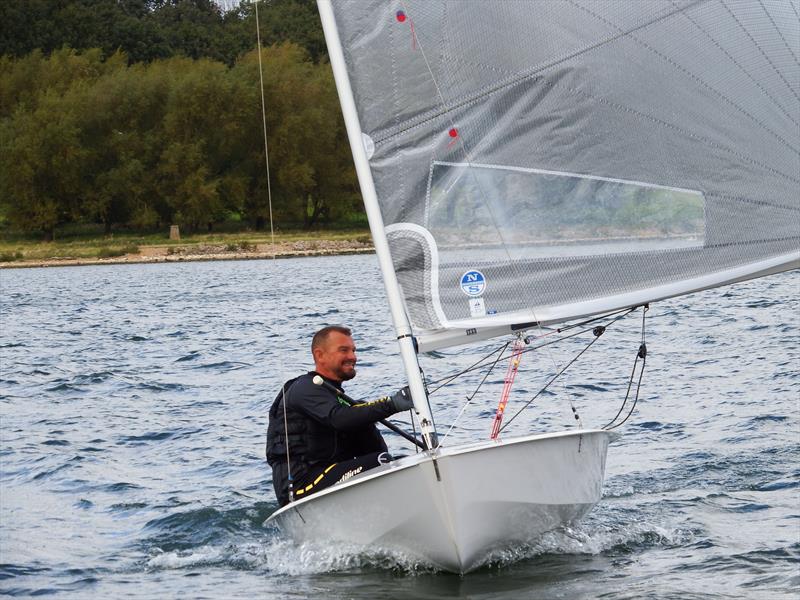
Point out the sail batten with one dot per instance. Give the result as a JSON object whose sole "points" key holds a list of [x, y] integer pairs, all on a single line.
{"points": [[543, 161]]}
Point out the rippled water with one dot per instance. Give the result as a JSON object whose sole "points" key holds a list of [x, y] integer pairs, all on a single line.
{"points": [[133, 402]]}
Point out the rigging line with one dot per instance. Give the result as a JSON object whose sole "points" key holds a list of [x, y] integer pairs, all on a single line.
{"points": [[635, 398], [623, 313], [480, 364], [557, 375], [548, 343], [627, 394], [414, 432], [264, 122], [642, 353], [274, 253], [474, 366], [474, 393]]}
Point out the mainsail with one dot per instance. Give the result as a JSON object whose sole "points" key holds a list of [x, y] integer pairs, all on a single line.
{"points": [[542, 161]]}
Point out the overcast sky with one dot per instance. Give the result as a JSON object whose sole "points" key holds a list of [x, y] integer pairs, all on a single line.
{"points": [[227, 4]]}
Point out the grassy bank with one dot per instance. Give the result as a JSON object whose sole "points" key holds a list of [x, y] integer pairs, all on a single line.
{"points": [[15, 249]]}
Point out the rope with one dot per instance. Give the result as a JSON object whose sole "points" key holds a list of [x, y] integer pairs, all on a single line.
{"points": [[641, 353], [450, 378], [597, 331], [556, 376], [475, 393], [636, 397], [511, 373], [264, 122], [480, 363], [272, 239]]}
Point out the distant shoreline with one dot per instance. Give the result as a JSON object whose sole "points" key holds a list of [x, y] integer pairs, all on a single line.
{"points": [[205, 252]]}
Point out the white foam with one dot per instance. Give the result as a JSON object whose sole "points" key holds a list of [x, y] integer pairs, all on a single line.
{"points": [[284, 557], [182, 559]]}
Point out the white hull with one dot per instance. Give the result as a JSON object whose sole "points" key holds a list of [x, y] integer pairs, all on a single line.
{"points": [[488, 496]]}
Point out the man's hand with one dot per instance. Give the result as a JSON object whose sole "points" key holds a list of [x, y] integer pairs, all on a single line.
{"points": [[402, 400]]}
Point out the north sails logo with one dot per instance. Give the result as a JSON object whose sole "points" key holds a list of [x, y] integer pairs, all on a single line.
{"points": [[350, 474]]}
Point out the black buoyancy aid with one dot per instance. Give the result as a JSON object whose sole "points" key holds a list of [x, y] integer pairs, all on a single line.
{"points": [[293, 427]]}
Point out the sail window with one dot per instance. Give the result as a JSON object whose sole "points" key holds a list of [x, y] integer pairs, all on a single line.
{"points": [[536, 213]]}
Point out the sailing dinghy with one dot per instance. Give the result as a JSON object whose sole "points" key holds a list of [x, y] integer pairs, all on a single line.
{"points": [[528, 164]]}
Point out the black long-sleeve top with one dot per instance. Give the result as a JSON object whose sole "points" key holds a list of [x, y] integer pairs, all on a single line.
{"points": [[334, 430]]}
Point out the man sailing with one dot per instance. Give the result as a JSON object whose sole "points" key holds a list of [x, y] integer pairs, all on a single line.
{"points": [[321, 439]]}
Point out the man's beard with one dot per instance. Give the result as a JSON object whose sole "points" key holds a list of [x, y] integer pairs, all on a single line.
{"points": [[346, 375]]}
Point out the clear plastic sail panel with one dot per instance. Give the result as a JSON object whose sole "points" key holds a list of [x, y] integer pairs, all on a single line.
{"points": [[538, 161]]}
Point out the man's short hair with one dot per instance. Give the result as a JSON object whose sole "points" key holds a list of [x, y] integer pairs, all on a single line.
{"points": [[322, 335]]}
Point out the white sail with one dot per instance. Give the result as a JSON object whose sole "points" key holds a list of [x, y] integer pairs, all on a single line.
{"points": [[541, 161]]}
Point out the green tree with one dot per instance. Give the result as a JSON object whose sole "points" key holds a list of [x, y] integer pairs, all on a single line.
{"points": [[109, 25], [120, 117], [93, 139], [42, 166], [196, 123], [27, 79], [147, 30], [310, 162], [295, 21]]}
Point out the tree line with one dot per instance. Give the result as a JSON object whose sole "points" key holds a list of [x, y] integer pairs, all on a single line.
{"points": [[147, 30], [127, 137]]}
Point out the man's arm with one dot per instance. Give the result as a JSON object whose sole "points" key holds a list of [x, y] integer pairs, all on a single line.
{"points": [[323, 406]]}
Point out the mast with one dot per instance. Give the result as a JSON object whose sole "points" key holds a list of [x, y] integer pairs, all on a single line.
{"points": [[354, 134]]}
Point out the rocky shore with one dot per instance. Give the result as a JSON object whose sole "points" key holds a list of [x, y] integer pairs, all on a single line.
{"points": [[199, 252]]}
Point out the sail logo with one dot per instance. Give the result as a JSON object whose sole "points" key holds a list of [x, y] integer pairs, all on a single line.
{"points": [[473, 283]]}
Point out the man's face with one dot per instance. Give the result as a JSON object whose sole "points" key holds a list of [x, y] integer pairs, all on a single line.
{"points": [[336, 357]]}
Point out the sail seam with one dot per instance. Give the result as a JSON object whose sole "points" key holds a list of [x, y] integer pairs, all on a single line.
{"points": [[467, 154], [778, 31], [794, 10], [741, 68], [665, 251], [609, 103], [632, 111], [761, 50], [753, 201], [499, 86], [689, 134], [692, 76]]}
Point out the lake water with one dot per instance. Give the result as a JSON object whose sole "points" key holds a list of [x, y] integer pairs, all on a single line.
{"points": [[133, 402]]}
